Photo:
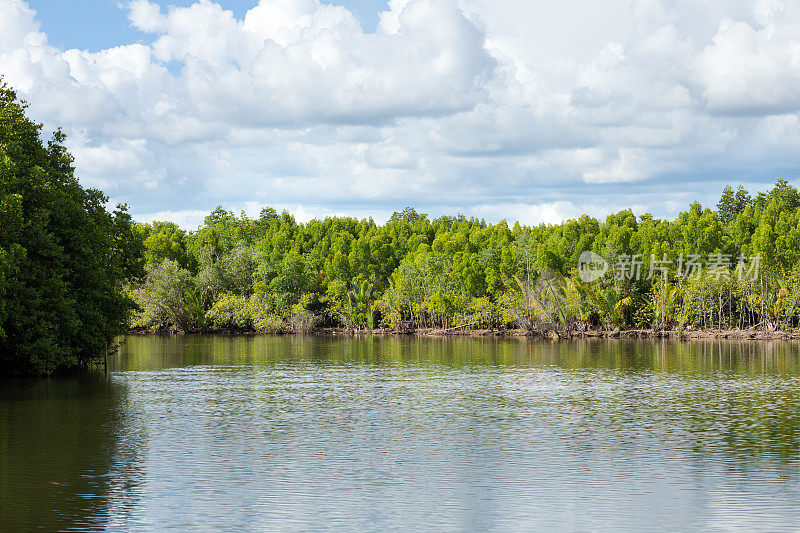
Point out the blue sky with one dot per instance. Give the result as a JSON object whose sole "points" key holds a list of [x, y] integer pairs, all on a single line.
{"points": [[99, 24], [526, 110]]}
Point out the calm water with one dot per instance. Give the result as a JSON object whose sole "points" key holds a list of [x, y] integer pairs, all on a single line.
{"points": [[304, 433]]}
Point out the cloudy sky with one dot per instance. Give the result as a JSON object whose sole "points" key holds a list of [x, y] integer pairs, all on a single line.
{"points": [[526, 110]]}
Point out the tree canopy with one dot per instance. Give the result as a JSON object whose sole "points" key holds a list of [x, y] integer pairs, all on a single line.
{"points": [[63, 256], [273, 273]]}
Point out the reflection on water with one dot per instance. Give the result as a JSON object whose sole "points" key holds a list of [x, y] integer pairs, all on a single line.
{"points": [[298, 433], [57, 447]]}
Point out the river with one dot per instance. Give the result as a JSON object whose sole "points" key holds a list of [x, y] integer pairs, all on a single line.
{"points": [[378, 434]]}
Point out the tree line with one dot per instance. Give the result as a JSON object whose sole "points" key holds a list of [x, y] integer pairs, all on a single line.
{"points": [[735, 266]]}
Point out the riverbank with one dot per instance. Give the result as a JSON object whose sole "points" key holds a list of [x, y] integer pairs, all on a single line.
{"points": [[620, 334], [551, 334], [630, 334]]}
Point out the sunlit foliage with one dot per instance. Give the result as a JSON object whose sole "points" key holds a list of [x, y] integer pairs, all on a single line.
{"points": [[458, 272]]}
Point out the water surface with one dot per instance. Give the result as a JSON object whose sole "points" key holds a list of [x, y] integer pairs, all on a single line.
{"points": [[312, 433]]}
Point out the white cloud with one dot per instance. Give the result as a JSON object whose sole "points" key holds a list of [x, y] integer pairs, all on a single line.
{"points": [[18, 27], [145, 16], [628, 165], [507, 108], [298, 61], [754, 70], [189, 219], [529, 214]]}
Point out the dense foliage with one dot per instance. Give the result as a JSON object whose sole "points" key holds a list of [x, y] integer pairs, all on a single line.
{"points": [[63, 257], [736, 266]]}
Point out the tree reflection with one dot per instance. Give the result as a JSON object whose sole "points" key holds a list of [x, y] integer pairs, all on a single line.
{"points": [[57, 447]]}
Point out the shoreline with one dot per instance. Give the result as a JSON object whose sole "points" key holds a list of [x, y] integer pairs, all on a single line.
{"points": [[547, 334]]}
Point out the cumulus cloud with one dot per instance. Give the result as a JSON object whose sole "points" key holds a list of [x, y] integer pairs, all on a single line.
{"points": [[498, 108], [754, 69], [299, 61]]}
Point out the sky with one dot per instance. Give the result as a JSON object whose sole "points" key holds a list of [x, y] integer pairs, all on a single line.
{"points": [[527, 110]]}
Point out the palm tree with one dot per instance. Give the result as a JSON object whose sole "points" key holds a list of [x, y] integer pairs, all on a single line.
{"points": [[609, 302], [358, 304]]}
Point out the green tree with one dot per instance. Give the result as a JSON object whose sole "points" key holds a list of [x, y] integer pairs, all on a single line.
{"points": [[63, 257], [166, 240], [732, 204], [168, 297]]}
